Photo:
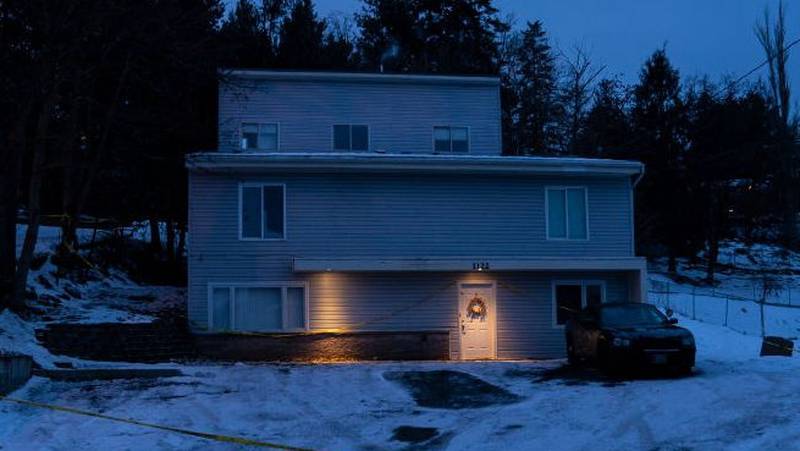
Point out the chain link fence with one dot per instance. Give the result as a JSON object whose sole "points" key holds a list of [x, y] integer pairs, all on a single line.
{"points": [[766, 313]]}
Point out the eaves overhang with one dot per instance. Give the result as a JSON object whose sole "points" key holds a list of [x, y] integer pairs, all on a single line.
{"points": [[406, 163], [460, 264]]}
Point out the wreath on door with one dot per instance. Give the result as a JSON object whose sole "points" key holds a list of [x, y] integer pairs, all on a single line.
{"points": [[476, 308]]}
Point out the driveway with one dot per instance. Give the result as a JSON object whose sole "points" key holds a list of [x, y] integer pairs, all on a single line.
{"points": [[735, 400]]}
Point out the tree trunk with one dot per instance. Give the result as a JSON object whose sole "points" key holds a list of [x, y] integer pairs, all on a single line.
{"points": [[10, 172], [713, 256], [181, 243], [155, 235], [85, 186], [34, 212], [8, 229], [170, 240]]}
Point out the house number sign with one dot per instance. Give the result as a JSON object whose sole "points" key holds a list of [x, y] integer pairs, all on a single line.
{"points": [[480, 266]]}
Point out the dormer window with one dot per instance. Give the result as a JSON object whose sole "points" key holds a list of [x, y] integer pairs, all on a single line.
{"points": [[451, 139], [257, 137], [350, 137]]}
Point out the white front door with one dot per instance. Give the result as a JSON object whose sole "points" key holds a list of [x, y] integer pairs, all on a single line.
{"points": [[476, 317]]}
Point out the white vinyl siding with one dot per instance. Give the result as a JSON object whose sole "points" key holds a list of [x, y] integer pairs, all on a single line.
{"points": [[259, 136], [450, 139], [258, 308], [262, 212], [350, 137], [567, 213]]}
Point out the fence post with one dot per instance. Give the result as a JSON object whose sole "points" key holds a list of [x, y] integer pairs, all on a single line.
{"points": [[726, 311], [693, 303]]}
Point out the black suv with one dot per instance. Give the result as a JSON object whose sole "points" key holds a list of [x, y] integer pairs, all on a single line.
{"points": [[627, 335]]}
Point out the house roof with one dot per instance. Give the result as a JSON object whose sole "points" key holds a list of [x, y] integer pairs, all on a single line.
{"points": [[374, 77], [408, 163]]}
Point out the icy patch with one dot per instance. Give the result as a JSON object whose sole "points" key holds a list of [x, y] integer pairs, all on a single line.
{"points": [[450, 389]]}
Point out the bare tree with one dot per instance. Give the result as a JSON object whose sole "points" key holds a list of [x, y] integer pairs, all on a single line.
{"points": [[579, 73], [772, 37]]}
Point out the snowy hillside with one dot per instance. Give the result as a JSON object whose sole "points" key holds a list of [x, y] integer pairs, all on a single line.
{"points": [[101, 298], [746, 277]]}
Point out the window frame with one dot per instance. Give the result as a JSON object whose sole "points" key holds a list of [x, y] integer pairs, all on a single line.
{"points": [[583, 283], [259, 124], [565, 188], [284, 286], [450, 128], [262, 185], [350, 129]]}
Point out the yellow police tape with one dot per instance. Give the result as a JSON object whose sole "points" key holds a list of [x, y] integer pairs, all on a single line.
{"points": [[207, 436]]}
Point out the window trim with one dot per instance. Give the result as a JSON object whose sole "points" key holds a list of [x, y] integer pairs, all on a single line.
{"points": [[451, 152], [284, 285], [262, 185], [583, 283], [259, 124], [547, 189], [350, 127]]}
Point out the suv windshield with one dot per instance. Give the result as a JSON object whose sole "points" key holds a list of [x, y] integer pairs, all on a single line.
{"points": [[631, 315]]}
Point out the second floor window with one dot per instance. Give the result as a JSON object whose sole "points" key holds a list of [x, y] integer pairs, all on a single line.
{"points": [[567, 215], [450, 139], [259, 136], [261, 212], [350, 137]]}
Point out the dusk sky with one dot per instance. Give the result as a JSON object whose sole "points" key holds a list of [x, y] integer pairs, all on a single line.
{"points": [[713, 37]]}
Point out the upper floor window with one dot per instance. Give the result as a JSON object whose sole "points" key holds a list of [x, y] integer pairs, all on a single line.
{"points": [[262, 212], [350, 137], [567, 214], [259, 136], [451, 139]]}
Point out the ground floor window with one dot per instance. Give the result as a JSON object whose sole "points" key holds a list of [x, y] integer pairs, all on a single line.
{"points": [[258, 308], [569, 297]]}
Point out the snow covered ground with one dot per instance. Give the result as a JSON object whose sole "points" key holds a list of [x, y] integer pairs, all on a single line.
{"points": [[734, 300], [736, 400], [114, 298]]}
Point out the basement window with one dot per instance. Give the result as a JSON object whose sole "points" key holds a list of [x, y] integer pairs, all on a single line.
{"points": [[258, 308]]}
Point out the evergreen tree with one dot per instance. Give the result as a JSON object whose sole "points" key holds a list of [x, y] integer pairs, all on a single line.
{"points": [[726, 161], [535, 113], [658, 118], [444, 36], [245, 37], [606, 131], [301, 38]]}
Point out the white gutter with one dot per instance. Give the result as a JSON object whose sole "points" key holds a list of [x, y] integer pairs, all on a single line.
{"points": [[299, 76], [407, 163]]}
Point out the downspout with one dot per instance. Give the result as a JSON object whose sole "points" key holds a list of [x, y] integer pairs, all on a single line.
{"points": [[639, 177], [643, 271]]}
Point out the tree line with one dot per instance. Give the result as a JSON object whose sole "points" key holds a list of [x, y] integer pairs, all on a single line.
{"points": [[100, 100]]}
